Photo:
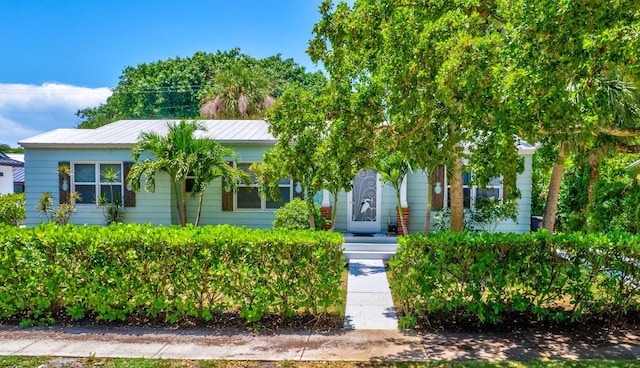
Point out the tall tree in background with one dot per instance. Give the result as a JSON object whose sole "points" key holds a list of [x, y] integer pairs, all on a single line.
{"points": [[559, 53], [238, 92], [177, 88]]}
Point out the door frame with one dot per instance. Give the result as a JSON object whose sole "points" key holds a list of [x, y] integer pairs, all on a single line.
{"points": [[365, 226]]}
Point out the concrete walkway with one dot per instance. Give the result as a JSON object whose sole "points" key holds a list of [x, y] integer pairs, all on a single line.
{"points": [[369, 301]]}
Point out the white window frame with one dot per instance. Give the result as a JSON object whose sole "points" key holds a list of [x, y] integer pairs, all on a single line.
{"points": [[473, 191], [263, 202], [96, 183]]}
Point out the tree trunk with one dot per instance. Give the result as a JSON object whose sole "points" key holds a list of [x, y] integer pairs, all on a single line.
{"points": [[177, 195], [334, 211], [184, 203], [594, 174], [427, 216], [551, 207], [457, 197], [200, 200], [310, 205]]}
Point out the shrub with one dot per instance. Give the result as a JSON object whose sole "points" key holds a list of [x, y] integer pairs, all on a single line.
{"points": [[295, 216], [118, 271], [12, 211], [544, 276], [64, 211]]}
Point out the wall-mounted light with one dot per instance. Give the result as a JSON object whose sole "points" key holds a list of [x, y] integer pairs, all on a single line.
{"points": [[129, 187], [65, 185], [298, 187], [437, 188]]}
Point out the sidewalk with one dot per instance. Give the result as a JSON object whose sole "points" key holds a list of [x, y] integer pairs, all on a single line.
{"points": [[354, 345]]}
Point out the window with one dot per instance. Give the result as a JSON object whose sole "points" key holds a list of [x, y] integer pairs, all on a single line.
{"points": [[248, 198], [93, 180], [189, 183], [472, 193]]}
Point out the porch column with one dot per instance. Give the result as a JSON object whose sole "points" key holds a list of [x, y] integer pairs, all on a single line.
{"points": [[405, 207], [403, 193], [326, 198]]}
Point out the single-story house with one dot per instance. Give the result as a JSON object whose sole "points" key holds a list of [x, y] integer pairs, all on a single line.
{"points": [[8, 167], [369, 207]]}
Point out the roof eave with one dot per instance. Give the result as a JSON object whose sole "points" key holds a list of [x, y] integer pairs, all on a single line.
{"points": [[272, 142], [125, 145], [77, 145]]}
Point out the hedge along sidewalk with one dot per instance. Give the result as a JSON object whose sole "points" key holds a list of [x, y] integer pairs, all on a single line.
{"points": [[489, 275], [110, 273]]}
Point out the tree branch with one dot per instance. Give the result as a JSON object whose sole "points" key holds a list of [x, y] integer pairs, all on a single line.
{"points": [[623, 148], [620, 132]]}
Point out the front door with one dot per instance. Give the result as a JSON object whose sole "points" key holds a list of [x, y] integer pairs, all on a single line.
{"points": [[364, 209]]}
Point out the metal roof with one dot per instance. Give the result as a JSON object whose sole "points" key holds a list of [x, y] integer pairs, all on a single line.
{"points": [[18, 174], [8, 161], [126, 133]]}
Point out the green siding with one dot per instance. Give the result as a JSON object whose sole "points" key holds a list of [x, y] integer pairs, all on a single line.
{"points": [[41, 174], [159, 208]]}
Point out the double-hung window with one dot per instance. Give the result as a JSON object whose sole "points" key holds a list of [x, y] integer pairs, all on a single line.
{"points": [[248, 198], [472, 193], [96, 180]]}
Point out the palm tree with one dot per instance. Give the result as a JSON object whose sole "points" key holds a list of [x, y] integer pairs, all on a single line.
{"points": [[393, 168], [179, 155], [615, 98], [211, 164], [239, 93]]}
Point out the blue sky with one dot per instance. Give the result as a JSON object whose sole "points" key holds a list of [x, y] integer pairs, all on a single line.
{"points": [[58, 56]]}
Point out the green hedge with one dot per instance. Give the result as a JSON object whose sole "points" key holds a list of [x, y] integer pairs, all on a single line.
{"points": [[548, 277], [12, 211], [110, 273]]}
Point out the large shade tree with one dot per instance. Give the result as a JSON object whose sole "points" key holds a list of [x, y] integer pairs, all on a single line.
{"points": [[559, 55], [422, 73]]}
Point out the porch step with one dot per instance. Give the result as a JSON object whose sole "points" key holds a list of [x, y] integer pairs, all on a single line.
{"points": [[370, 254], [375, 246], [381, 247], [375, 238]]}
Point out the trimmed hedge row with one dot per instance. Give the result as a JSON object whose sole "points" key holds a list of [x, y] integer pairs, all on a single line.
{"points": [[110, 273], [548, 277], [12, 210]]}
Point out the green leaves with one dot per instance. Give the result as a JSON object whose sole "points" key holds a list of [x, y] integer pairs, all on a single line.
{"points": [[123, 271], [12, 210], [177, 88], [488, 276]]}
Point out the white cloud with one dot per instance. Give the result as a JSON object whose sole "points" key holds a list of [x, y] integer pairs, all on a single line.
{"points": [[51, 94], [11, 132], [27, 110]]}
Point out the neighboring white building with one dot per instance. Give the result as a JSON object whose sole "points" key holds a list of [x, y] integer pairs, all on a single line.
{"points": [[7, 165]]}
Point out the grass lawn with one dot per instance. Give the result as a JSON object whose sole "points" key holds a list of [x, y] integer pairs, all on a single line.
{"points": [[158, 363]]}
